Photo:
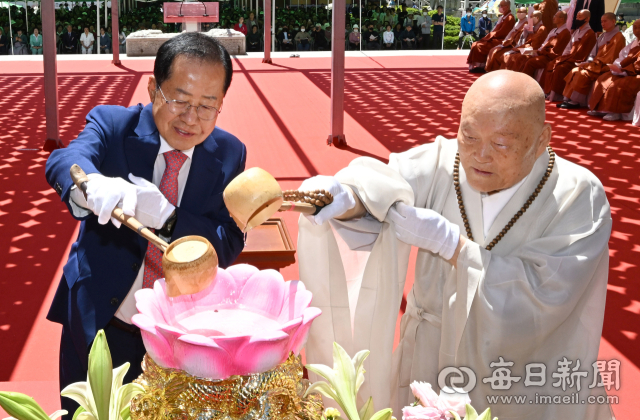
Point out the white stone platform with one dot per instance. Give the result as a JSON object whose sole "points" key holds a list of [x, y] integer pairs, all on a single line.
{"points": [[146, 43]]}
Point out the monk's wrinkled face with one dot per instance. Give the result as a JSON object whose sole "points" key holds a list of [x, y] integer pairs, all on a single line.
{"points": [[501, 135], [636, 29], [607, 24], [559, 18]]}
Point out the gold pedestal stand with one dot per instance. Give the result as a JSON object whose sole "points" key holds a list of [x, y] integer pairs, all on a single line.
{"points": [[273, 395]]}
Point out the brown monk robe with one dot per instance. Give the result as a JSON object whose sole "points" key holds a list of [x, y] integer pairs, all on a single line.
{"points": [[614, 93], [494, 58], [480, 49], [580, 79], [582, 42], [551, 48], [529, 40]]}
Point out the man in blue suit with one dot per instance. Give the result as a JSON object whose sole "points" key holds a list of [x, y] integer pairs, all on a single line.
{"points": [[178, 163]]}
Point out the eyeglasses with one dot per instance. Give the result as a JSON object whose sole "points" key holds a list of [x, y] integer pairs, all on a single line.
{"points": [[206, 113]]}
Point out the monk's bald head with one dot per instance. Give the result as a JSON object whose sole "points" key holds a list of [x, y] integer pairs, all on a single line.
{"points": [[502, 129], [584, 15], [560, 18], [505, 5], [537, 16]]}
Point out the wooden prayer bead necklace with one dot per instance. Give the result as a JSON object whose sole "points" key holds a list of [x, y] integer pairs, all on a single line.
{"points": [[318, 198], [456, 183]]}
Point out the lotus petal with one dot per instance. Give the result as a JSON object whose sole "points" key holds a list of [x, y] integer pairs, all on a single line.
{"points": [[196, 353], [156, 345], [241, 273], [225, 290], [148, 305], [302, 334], [264, 291], [263, 352], [297, 298]]}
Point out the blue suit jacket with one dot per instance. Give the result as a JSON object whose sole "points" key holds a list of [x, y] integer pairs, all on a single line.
{"points": [[104, 261]]}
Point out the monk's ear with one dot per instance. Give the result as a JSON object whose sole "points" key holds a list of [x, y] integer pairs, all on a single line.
{"points": [[544, 139]]}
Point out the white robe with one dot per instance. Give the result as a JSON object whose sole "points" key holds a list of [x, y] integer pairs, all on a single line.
{"points": [[538, 296]]}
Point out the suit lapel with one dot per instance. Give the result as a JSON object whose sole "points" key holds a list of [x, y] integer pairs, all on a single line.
{"points": [[141, 148], [204, 175]]}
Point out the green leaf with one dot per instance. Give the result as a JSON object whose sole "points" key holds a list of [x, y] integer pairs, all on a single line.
{"points": [[125, 414], [383, 414], [101, 375], [78, 411], [366, 411], [455, 415], [21, 406]]}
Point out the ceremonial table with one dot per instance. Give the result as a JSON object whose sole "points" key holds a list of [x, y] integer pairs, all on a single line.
{"points": [[268, 246]]}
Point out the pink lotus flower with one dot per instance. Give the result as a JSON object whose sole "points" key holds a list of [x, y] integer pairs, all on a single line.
{"points": [[247, 321], [433, 406]]}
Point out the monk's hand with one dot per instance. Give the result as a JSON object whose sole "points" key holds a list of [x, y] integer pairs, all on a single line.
{"points": [[425, 229], [343, 199]]}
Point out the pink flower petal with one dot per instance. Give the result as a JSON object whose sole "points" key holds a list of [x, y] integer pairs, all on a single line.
{"points": [[147, 304], [263, 352], [231, 344], [169, 333], [157, 347], [300, 339], [264, 291], [241, 273], [420, 413], [425, 393], [297, 299], [202, 356], [225, 291]]}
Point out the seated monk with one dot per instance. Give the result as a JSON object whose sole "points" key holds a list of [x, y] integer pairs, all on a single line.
{"points": [[530, 40], [494, 58], [480, 49], [580, 79], [582, 42], [615, 92], [531, 61]]}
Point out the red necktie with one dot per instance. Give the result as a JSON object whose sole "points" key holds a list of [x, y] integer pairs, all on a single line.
{"points": [[169, 187]]}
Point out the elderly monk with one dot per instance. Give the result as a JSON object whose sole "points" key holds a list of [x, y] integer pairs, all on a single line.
{"points": [[494, 58], [531, 62], [607, 49], [615, 92], [512, 259], [480, 49], [530, 40], [582, 42]]}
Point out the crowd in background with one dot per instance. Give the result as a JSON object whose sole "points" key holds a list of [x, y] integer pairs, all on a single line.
{"points": [[378, 26]]}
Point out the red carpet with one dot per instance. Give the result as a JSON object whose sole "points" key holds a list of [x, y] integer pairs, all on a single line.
{"points": [[282, 113]]}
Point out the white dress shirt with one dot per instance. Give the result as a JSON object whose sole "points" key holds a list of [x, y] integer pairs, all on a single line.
{"points": [[127, 308]]}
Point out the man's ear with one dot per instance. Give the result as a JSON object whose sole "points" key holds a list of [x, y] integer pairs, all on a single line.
{"points": [[544, 139], [152, 88]]}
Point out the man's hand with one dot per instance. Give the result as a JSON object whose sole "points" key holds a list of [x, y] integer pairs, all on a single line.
{"points": [[343, 199], [152, 207], [105, 194], [426, 229]]}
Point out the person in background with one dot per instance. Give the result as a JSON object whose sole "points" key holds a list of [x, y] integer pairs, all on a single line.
{"points": [[252, 21], [319, 39], [388, 39], [240, 26], [59, 33], [484, 25], [408, 39], [423, 26], [105, 42], [69, 41], [354, 38], [467, 27], [253, 40], [86, 41], [303, 39], [327, 33], [284, 37], [4, 41], [438, 28], [123, 40], [20, 43], [373, 38], [402, 14], [36, 42], [408, 20]]}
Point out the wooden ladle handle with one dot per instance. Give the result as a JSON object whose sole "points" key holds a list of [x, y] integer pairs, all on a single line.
{"points": [[80, 179]]}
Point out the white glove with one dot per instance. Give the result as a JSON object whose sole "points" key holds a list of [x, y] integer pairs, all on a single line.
{"points": [[425, 229], [342, 198], [152, 208], [105, 194]]}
